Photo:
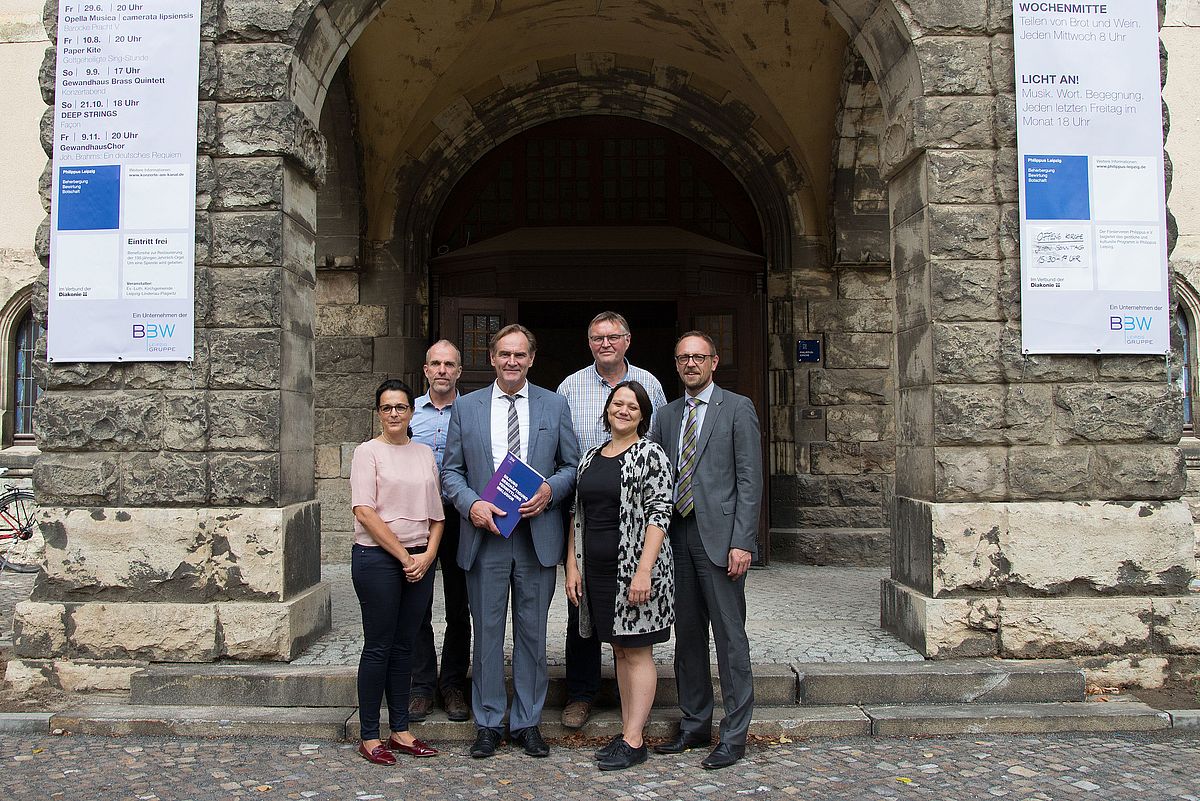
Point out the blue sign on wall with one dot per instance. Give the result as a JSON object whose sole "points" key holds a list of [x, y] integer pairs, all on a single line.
{"points": [[1056, 188], [808, 350], [89, 198]]}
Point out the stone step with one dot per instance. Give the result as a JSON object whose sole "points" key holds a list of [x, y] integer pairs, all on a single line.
{"points": [[230, 684], [794, 721], [1094, 716], [941, 682]]}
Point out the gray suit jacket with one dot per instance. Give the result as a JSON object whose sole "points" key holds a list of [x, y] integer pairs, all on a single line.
{"points": [[727, 485], [467, 466]]}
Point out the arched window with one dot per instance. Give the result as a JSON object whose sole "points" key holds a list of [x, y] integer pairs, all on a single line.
{"points": [[1183, 328], [25, 388]]}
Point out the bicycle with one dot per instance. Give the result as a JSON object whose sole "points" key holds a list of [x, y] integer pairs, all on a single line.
{"points": [[20, 541]]}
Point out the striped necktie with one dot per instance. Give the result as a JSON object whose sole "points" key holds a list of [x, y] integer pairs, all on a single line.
{"points": [[687, 460], [514, 427]]}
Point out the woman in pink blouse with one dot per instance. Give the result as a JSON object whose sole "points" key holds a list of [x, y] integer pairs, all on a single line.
{"points": [[397, 526]]}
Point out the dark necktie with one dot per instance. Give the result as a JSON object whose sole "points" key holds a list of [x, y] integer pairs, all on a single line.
{"points": [[687, 459], [514, 427]]}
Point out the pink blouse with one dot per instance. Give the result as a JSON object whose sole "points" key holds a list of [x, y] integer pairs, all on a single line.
{"points": [[400, 482]]}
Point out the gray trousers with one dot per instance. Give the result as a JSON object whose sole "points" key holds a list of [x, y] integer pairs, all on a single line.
{"points": [[505, 566], [704, 596]]}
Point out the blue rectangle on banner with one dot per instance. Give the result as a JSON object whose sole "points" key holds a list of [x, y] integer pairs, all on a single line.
{"points": [[1056, 188], [89, 198]]}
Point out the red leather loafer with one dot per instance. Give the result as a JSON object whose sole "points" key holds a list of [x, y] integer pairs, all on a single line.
{"points": [[417, 749], [379, 755]]}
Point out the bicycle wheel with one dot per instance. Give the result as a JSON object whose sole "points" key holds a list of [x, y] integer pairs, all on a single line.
{"points": [[21, 543]]}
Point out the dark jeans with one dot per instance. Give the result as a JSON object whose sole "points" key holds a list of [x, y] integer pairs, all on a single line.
{"points": [[391, 613], [456, 645]]}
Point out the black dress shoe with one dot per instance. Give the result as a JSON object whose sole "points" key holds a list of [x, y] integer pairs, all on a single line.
{"points": [[608, 747], [486, 741], [723, 756], [624, 756], [531, 739], [681, 742]]}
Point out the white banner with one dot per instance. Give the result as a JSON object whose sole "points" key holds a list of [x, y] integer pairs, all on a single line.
{"points": [[123, 221], [1090, 166]]}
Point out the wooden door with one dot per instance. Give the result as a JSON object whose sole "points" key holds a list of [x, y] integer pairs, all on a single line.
{"points": [[735, 322], [470, 323]]}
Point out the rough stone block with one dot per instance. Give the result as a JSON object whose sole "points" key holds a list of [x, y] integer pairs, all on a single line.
{"points": [[247, 238], [337, 288], [1138, 472], [244, 478], [247, 420], [1135, 670], [970, 473], [1061, 627], [1177, 624], [39, 629], [275, 631], [347, 390], [967, 352], [836, 387], [258, 71], [336, 511], [327, 461], [76, 479], [940, 628], [99, 421], [1021, 548], [186, 421], [850, 315], [162, 632], [1118, 413], [249, 183], [963, 232], [335, 426], [164, 479], [352, 321], [965, 290], [77, 375], [859, 350], [955, 65], [991, 414], [345, 354], [860, 424], [246, 358], [1049, 471], [953, 122], [951, 15], [853, 458], [271, 128], [865, 284]]}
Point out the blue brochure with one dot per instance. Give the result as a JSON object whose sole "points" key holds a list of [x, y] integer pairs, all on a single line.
{"points": [[512, 484]]}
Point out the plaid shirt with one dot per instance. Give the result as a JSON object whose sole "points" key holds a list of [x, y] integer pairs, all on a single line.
{"points": [[586, 391]]}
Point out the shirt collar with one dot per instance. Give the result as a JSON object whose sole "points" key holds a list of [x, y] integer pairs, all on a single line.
{"points": [[523, 392], [604, 381], [705, 397], [426, 400]]}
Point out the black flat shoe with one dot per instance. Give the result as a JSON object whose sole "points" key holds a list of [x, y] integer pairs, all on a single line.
{"points": [[486, 742], [531, 739], [608, 747], [624, 756], [682, 741], [723, 756]]}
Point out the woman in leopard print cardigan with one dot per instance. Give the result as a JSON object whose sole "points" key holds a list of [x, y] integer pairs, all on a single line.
{"points": [[619, 567]]}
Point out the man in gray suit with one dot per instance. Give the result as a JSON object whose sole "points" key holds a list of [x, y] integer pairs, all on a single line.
{"points": [[510, 415], [712, 435]]}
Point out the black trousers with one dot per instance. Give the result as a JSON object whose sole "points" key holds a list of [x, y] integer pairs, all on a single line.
{"points": [[583, 654], [456, 644], [391, 614]]}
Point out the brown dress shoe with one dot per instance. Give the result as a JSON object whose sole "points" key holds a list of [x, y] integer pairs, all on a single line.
{"points": [[419, 708], [576, 713], [455, 704]]}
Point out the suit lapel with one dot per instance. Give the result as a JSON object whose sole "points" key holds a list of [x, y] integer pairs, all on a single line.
{"points": [[485, 421], [535, 409], [672, 420], [711, 414]]}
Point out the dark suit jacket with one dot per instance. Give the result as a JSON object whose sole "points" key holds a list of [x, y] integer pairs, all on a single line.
{"points": [[467, 466], [727, 485]]}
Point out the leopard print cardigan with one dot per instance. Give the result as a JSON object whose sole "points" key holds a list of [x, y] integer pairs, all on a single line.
{"points": [[647, 482]]}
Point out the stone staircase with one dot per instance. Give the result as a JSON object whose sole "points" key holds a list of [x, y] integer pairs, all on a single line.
{"points": [[800, 700]]}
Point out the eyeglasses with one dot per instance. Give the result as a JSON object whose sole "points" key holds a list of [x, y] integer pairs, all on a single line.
{"points": [[698, 358], [399, 408], [612, 339]]}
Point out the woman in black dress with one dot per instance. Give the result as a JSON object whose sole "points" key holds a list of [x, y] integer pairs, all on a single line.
{"points": [[619, 569]]}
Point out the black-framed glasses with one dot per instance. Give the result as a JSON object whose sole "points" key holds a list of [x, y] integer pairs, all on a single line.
{"points": [[398, 408], [698, 358], [612, 339]]}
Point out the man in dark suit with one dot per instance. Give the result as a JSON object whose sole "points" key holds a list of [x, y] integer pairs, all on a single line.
{"points": [[712, 436], [510, 415]]}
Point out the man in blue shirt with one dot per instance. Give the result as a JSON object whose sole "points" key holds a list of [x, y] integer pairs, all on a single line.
{"points": [[586, 391], [431, 420]]}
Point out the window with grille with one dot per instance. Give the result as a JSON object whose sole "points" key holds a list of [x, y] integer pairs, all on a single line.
{"points": [[720, 328], [26, 391], [477, 331], [1183, 328]]}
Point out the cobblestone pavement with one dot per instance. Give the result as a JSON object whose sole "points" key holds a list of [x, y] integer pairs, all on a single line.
{"points": [[1110, 767], [797, 613]]}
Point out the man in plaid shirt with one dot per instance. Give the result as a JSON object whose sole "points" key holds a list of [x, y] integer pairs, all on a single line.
{"points": [[586, 391]]}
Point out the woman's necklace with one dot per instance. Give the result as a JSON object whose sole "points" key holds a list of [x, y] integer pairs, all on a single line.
{"points": [[406, 440], [616, 447]]}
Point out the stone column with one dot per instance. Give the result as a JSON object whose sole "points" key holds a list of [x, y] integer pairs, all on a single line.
{"points": [[1037, 497], [177, 499]]}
